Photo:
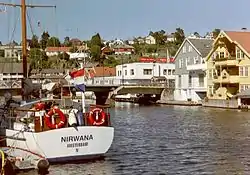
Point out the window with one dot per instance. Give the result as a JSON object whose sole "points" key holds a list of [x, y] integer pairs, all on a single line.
{"points": [[180, 63], [147, 71], [210, 73], [184, 49], [173, 71], [239, 53], [196, 60], [244, 87], [169, 72], [190, 49], [125, 72], [222, 55], [190, 81], [201, 80], [132, 72], [165, 71], [243, 71], [179, 81], [186, 62]]}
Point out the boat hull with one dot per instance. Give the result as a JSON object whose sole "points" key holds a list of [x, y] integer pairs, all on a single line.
{"points": [[65, 144]]}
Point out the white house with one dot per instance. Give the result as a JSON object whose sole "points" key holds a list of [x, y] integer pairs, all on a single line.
{"points": [[12, 51], [136, 73], [150, 40], [190, 69], [54, 51]]}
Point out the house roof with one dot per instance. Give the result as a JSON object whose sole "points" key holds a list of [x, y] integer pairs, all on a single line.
{"points": [[245, 93], [123, 46], [57, 49], [240, 37], [202, 45], [47, 71], [105, 71], [11, 68]]}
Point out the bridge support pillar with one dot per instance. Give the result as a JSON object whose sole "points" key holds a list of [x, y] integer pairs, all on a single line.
{"points": [[101, 97]]}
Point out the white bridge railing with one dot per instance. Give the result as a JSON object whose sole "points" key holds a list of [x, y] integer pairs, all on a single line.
{"points": [[97, 81], [113, 81]]}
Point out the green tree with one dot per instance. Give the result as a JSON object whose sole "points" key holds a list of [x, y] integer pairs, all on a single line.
{"points": [[53, 42], [38, 59], [73, 49], [95, 48], [111, 62], [160, 37], [197, 34], [64, 56], [34, 42], [96, 40], [179, 36], [44, 39], [95, 52], [67, 42], [151, 48], [216, 32]]}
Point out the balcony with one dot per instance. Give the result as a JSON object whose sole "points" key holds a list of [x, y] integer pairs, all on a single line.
{"points": [[229, 61], [196, 67], [230, 79]]}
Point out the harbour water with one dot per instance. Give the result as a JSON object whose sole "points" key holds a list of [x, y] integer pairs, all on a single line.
{"points": [[172, 140]]}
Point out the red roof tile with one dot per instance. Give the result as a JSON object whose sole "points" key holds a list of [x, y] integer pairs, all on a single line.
{"points": [[105, 71], [57, 49], [242, 38]]}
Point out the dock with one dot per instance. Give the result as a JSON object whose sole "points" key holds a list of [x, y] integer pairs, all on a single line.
{"points": [[179, 103]]}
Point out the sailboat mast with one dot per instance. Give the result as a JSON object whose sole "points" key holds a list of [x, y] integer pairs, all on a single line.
{"points": [[24, 38]]}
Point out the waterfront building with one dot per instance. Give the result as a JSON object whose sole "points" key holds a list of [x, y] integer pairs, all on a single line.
{"points": [[228, 67], [190, 69], [139, 72]]}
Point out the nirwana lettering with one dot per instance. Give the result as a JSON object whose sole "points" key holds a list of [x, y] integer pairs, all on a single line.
{"points": [[77, 138]]}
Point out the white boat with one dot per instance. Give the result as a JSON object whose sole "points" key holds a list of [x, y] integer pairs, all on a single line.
{"points": [[54, 131]]}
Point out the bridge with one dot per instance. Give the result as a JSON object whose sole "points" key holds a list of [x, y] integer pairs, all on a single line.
{"points": [[103, 87]]}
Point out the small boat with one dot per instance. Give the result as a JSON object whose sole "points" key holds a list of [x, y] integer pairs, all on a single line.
{"points": [[14, 160]]}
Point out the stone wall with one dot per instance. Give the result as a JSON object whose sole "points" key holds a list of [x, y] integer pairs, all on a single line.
{"points": [[220, 103], [167, 95]]}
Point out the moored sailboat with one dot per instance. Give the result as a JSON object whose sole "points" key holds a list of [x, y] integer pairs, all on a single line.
{"points": [[51, 129]]}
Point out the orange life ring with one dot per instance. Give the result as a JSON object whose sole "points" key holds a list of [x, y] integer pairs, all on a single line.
{"points": [[94, 117], [48, 116]]}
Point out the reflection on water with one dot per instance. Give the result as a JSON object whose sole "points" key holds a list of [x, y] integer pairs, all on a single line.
{"points": [[173, 140]]}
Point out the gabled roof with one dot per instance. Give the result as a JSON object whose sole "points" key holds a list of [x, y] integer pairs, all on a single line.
{"points": [[240, 38], [204, 46], [201, 45]]}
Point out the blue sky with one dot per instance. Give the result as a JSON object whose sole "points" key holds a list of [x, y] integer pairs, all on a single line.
{"points": [[126, 18]]}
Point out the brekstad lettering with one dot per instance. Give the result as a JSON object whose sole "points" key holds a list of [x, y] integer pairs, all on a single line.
{"points": [[76, 138]]}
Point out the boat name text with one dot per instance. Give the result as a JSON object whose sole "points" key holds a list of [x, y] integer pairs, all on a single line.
{"points": [[76, 138]]}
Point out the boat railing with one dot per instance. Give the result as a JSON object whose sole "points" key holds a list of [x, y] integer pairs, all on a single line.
{"points": [[27, 116]]}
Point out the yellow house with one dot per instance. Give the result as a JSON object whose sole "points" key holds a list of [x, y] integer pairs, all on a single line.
{"points": [[228, 65]]}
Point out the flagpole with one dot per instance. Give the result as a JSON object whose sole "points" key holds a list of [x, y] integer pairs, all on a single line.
{"points": [[83, 93]]}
